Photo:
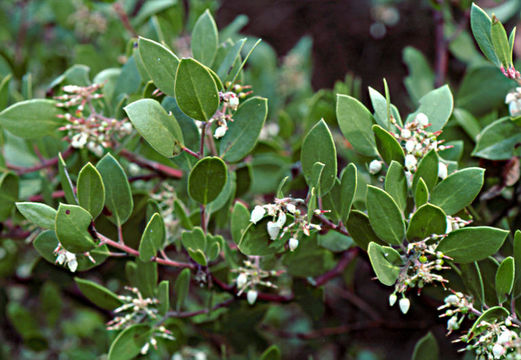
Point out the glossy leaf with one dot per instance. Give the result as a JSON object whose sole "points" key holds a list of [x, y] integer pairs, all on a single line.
{"points": [[396, 184], [481, 24], [207, 179], [388, 147], [195, 90], [163, 297], [159, 129], [386, 263], [40, 214], [32, 119], [205, 39], [118, 196], [153, 238], [97, 294], [385, 216], [66, 182], [499, 39], [355, 122], [160, 64], [427, 170], [421, 194], [360, 229], [239, 221], [505, 276], [128, 343], [243, 132], [498, 140], [181, 287], [348, 185], [426, 348], [472, 243], [437, 105], [427, 220], [318, 146], [517, 263], [72, 223], [91, 191], [458, 190]]}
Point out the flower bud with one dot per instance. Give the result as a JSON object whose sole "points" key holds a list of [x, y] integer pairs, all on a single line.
{"points": [[498, 351], [406, 133], [234, 101], [273, 229], [293, 244], [410, 145], [375, 166], [504, 337], [452, 323], [410, 162], [422, 119], [220, 131], [451, 300], [392, 299], [257, 214], [404, 304], [241, 280], [291, 208], [252, 296], [511, 96], [281, 220], [442, 170]]}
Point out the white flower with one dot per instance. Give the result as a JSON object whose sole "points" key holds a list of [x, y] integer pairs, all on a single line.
{"points": [[410, 162], [220, 131], [498, 351], [291, 208], [145, 348], [252, 296], [78, 141], [504, 337], [422, 119], [126, 128], [241, 280], [233, 101], [452, 323], [257, 214], [449, 228], [404, 304], [293, 244], [442, 170], [410, 145], [406, 133], [375, 166], [73, 265], [71, 88], [451, 300], [273, 229], [392, 299], [97, 149], [281, 219], [66, 258], [200, 356], [510, 98], [513, 108]]}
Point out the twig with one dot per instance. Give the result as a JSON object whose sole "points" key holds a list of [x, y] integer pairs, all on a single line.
{"points": [[199, 312], [124, 19], [194, 154], [442, 56], [339, 268], [152, 165], [44, 164]]}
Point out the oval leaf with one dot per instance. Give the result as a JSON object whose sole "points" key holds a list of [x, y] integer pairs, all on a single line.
{"points": [[388, 147], [205, 38], [153, 238], [505, 276], [91, 191], [385, 262], [99, 295], [160, 64], [427, 220], [385, 216], [129, 342], [207, 179], [72, 223], [40, 214]]}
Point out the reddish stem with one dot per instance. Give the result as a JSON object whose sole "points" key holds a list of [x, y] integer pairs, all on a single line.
{"points": [[152, 165], [44, 164]]}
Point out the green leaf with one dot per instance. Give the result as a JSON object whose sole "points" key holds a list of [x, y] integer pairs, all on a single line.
{"points": [[181, 215], [496, 312], [72, 224], [386, 263], [243, 132], [163, 297], [195, 243], [153, 238], [4, 91], [426, 348], [437, 105], [146, 277], [239, 221], [517, 263], [499, 39], [396, 184], [207, 179], [355, 122], [255, 240], [91, 191], [385, 217], [472, 244], [118, 196], [348, 185], [427, 170], [481, 24], [159, 129], [195, 90], [129, 342], [9, 189], [205, 39], [498, 140], [181, 288], [421, 77], [271, 353], [65, 180], [505, 276], [32, 119], [427, 220], [160, 64], [40, 214], [231, 60], [421, 194], [388, 147], [318, 146], [468, 122], [360, 229], [99, 295], [458, 190]]}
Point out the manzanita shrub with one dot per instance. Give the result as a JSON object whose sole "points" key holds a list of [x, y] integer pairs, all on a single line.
{"points": [[186, 208]]}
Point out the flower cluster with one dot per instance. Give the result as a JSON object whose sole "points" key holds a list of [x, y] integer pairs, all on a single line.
{"points": [[422, 262], [511, 72], [166, 197], [280, 210], [455, 223], [230, 103], [497, 339], [251, 276], [66, 258], [86, 127], [188, 353], [513, 100], [88, 23]]}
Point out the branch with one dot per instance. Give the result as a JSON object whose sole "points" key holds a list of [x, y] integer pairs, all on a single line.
{"points": [[124, 19], [44, 164], [199, 312], [152, 165], [339, 268]]}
